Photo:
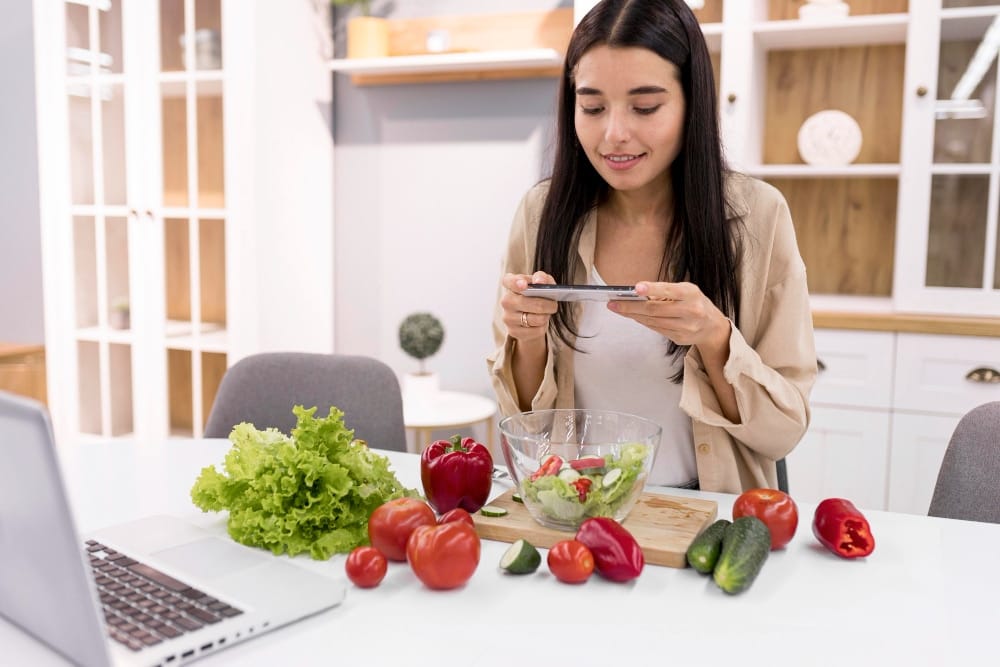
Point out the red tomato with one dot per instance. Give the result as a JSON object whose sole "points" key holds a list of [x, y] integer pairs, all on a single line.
{"points": [[366, 567], [775, 508], [444, 556], [571, 562], [392, 522], [457, 514]]}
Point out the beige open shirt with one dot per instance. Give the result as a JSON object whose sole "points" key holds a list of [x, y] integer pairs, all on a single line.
{"points": [[772, 355]]}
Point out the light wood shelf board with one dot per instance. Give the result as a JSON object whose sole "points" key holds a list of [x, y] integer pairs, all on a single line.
{"points": [[908, 323]]}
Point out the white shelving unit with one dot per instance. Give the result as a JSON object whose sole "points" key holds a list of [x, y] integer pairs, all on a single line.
{"points": [[193, 182]]}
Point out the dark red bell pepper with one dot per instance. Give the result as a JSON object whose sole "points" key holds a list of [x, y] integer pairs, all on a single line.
{"points": [[456, 473], [842, 528], [617, 556]]}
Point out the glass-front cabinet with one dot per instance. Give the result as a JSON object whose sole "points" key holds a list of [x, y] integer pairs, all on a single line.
{"points": [[137, 136], [950, 202]]}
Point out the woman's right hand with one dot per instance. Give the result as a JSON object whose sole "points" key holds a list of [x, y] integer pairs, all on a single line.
{"points": [[526, 317]]}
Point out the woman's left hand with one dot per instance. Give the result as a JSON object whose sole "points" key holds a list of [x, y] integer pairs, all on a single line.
{"points": [[680, 312]]}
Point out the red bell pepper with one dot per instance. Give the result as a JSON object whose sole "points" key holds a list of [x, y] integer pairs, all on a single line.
{"points": [[456, 473], [550, 466], [842, 528], [617, 556]]}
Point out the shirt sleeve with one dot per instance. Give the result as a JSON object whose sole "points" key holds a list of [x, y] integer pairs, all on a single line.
{"points": [[772, 377], [519, 258]]}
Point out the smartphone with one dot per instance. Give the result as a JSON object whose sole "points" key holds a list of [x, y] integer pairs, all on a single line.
{"points": [[583, 292]]}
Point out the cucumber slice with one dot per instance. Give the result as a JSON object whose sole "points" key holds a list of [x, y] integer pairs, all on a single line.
{"points": [[569, 475], [611, 477], [516, 497], [521, 558], [489, 510]]}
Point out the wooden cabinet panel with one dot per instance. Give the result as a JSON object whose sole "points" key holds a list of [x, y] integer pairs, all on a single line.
{"points": [[22, 370]]}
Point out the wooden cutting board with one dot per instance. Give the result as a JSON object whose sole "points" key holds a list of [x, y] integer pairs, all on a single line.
{"points": [[664, 526]]}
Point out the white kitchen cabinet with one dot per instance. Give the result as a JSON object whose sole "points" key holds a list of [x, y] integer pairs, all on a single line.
{"points": [[900, 245], [855, 368], [947, 252], [186, 170], [946, 374], [845, 454], [918, 445]]}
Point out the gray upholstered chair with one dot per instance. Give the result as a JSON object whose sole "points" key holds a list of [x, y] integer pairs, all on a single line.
{"points": [[968, 484], [263, 388]]}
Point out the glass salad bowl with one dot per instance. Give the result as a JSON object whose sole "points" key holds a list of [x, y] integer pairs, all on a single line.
{"points": [[569, 465]]}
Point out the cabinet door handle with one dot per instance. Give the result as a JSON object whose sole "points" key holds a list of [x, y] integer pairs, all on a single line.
{"points": [[820, 366], [731, 97], [983, 374], [921, 91]]}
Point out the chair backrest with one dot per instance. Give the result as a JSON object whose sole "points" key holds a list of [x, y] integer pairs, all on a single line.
{"points": [[262, 389], [968, 483]]}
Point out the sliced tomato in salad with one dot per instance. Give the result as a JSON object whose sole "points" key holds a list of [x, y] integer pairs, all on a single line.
{"points": [[587, 463]]}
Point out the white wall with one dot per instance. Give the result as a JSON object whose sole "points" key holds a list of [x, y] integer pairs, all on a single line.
{"points": [[423, 210], [21, 318], [427, 178]]}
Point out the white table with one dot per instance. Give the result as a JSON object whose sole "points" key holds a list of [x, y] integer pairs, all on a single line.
{"points": [[437, 410], [929, 595]]}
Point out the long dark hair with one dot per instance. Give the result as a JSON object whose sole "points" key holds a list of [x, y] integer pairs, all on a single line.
{"points": [[702, 245]]}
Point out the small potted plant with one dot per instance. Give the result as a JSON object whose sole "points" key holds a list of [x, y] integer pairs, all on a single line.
{"points": [[119, 317], [420, 336], [367, 35]]}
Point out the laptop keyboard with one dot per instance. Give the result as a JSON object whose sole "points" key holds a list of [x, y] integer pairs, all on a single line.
{"points": [[143, 606]]}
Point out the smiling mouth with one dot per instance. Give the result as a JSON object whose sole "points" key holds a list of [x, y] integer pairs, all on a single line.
{"points": [[622, 161]]}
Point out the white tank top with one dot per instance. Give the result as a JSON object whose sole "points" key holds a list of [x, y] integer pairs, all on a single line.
{"points": [[624, 366]]}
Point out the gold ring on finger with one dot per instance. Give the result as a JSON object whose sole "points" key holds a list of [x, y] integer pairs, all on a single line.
{"points": [[524, 320]]}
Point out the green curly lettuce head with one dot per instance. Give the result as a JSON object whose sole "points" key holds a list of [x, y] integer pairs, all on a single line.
{"points": [[311, 492]]}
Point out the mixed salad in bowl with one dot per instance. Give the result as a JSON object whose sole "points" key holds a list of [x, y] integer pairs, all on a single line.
{"points": [[563, 493]]}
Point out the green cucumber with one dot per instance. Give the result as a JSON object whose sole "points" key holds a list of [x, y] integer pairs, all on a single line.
{"points": [[745, 546], [489, 510], [705, 549], [521, 558], [516, 497]]}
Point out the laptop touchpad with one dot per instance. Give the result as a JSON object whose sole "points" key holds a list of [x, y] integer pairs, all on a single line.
{"points": [[210, 558]]}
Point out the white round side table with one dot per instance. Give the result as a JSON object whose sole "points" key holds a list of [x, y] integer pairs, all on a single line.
{"points": [[445, 410]]}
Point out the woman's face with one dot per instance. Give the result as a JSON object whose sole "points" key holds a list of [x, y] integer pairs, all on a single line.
{"points": [[629, 114]]}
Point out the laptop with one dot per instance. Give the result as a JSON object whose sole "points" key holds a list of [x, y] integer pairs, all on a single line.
{"points": [[157, 591]]}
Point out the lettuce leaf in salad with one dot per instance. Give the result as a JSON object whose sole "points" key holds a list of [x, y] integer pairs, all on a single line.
{"points": [[311, 492]]}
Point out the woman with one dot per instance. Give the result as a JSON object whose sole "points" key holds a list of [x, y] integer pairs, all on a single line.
{"points": [[721, 354]]}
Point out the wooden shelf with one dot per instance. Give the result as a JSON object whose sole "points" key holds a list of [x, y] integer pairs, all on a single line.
{"points": [[864, 30], [810, 171], [907, 323], [469, 65]]}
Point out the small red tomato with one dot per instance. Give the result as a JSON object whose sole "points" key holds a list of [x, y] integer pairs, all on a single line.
{"points": [[391, 523], [444, 556], [775, 508], [570, 561], [457, 514], [366, 567]]}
